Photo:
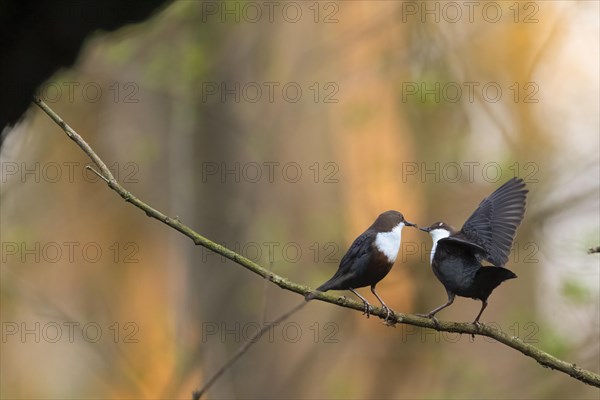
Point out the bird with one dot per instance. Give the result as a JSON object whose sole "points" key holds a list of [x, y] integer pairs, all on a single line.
{"points": [[369, 259], [456, 256]]}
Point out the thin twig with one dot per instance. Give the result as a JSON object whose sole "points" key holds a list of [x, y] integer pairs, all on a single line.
{"points": [[543, 358], [90, 168], [244, 348], [251, 341], [265, 298]]}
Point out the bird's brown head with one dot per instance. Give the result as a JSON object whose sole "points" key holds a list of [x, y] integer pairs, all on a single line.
{"points": [[388, 220]]}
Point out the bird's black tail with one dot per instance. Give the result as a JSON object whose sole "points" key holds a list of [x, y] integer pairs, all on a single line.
{"points": [[310, 296], [329, 285], [489, 278], [323, 288]]}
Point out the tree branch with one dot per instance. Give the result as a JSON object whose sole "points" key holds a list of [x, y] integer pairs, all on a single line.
{"points": [[244, 348], [543, 358]]}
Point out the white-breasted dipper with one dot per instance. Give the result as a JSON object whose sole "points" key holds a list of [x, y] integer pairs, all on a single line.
{"points": [[487, 235], [369, 259]]}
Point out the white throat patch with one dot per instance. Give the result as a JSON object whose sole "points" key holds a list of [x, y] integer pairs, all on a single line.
{"points": [[436, 235], [389, 242]]}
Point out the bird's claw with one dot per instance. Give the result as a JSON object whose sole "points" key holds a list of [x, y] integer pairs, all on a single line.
{"points": [[478, 326], [431, 317], [367, 310], [387, 312]]}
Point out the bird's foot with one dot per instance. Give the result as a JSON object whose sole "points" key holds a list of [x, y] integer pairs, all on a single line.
{"points": [[478, 326], [431, 317], [368, 309], [388, 313]]}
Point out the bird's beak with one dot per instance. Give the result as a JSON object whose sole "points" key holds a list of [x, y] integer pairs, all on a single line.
{"points": [[410, 224], [425, 229]]}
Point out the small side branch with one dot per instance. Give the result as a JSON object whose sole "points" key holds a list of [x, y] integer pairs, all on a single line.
{"points": [[244, 348], [543, 358]]}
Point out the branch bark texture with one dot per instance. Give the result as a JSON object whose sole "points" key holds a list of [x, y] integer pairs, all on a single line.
{"points": [[543, 358]]}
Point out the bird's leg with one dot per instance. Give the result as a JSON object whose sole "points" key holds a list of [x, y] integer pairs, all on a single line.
{"points": [[367, 305], [388, 310], [432, 313], [483, 306]]}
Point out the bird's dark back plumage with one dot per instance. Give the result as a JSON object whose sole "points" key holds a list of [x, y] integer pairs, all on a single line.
{"points": [[351, 263], [494, 224], [362, 265]]}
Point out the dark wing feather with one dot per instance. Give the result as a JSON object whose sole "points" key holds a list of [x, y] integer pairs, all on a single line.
{"points": [[494, 224], [348, 269], [463, 243]]}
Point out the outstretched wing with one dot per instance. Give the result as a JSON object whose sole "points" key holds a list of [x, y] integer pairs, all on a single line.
{"points": [[493, 225], [356, 255]]}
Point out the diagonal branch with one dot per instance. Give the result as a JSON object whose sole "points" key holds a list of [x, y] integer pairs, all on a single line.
{"points": [[543, 358], [244, 348]]}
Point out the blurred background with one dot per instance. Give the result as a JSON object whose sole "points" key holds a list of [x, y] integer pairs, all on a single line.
{"points": [[282, 130]]}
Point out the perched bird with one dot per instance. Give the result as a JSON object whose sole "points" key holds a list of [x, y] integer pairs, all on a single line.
{"points": [[486, 236], [369, 259]]}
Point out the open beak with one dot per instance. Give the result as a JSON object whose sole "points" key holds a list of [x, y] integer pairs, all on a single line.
{"points": [[425, 229], [410, 224]]}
